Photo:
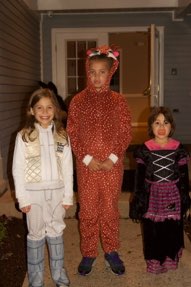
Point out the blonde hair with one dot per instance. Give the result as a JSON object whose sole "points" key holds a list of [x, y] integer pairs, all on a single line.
{"points": [[29, 126]]}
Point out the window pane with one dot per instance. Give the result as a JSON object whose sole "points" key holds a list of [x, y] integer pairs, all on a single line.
{"points": [[81, 83], [71, 65], [81, 67], [71, 85], [81, 49], [71, 49]]}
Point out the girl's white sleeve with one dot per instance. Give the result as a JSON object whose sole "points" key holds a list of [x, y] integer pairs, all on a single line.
{"points": [[67, 168], [18, 170]]}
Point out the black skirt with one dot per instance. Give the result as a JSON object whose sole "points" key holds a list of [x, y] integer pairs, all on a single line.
{"points": [[162, 239]]}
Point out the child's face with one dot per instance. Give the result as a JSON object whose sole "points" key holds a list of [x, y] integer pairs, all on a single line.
{"points": [[161, 128], [99, 73], [43, 111]]}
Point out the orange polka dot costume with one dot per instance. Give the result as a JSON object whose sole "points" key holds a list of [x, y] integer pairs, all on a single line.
{"points": [[99, 126]]}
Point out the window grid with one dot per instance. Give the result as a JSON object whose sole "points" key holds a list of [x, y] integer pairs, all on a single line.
{"points": [[76, 74]]}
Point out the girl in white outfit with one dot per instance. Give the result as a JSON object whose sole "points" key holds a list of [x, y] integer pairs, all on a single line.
{"points": [[43, 176]]}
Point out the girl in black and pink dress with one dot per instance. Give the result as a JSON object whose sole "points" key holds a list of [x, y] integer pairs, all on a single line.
{"points": [[161, 197]]}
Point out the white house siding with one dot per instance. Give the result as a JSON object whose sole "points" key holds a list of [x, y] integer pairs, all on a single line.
{"points": [[177, 54], [19, 70]]}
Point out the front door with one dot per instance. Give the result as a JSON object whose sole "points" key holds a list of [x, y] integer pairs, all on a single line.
{"points": [[134, 76], [139, 76]]}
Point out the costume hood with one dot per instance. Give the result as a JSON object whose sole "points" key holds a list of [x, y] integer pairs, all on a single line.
{"points": [[106, 50]]}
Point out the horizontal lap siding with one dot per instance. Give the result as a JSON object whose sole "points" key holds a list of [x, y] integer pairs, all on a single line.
{"points": [[177, 87], [19, 70]]}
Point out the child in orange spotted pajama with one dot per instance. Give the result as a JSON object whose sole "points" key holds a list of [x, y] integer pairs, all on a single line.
{"points": [[99, 126]]}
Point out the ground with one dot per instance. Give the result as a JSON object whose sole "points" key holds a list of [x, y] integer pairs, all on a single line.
{"points": [[187, 227], [13, 250]]}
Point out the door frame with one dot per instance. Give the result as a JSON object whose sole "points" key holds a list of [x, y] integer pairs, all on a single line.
{"points": [[106, 31]]}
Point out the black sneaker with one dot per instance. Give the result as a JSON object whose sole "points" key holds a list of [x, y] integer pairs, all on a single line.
{"points": [[115, 263], [85, 266]]}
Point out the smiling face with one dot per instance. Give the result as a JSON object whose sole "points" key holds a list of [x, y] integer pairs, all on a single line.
{"points": [[44, 111], [99, 73], [161, 129]]}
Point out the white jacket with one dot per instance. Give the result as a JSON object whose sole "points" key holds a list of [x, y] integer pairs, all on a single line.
{"points": [[45, 163]]}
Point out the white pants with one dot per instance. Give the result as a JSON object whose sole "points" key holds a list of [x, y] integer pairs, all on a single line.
{"points": [[46, 217]]}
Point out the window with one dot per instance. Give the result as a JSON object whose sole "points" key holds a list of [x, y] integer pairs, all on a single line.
{"points": [[76, 58]]}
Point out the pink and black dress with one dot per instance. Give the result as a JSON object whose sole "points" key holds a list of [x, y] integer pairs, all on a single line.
{"points": [[161, 199]]}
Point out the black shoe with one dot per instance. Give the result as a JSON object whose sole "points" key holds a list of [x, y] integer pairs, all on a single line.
{"points": [[115, 263], [85, 266]]}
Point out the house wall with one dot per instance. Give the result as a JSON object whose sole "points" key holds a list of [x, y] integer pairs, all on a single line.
{"points": [[19, 71], [107, 4], [183, 3], [177, 55]]}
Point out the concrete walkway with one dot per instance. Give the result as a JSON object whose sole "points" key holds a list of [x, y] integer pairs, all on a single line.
{"points": [[131, 254]]}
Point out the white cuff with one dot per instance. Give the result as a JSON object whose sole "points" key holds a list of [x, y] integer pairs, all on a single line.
{"points": [[67, 201], [23, 202], [113, 158], [86, 160]]}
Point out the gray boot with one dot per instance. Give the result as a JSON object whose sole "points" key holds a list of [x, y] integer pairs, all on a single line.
{"points": [[35, 262], [56, 253]]}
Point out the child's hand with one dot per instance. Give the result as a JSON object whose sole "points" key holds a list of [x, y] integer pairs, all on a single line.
{"points": [[94, 165], [66, 206], [26, 209], [107, 164]]}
